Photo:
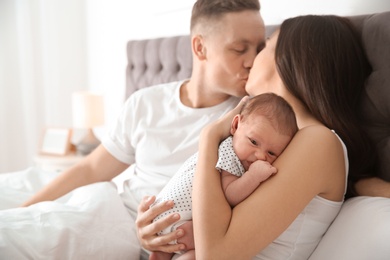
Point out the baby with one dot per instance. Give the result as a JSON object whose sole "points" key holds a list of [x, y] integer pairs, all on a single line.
{"points": [[259, 134]]}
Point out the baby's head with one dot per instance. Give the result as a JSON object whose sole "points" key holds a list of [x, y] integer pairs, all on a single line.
{"points": [[263, 129], [275, 109]]}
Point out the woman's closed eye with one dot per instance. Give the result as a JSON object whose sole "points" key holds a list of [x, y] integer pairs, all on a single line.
{"points": [[240, 50]]}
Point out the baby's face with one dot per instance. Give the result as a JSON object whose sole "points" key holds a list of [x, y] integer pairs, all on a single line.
{"points": [[256, 139]]}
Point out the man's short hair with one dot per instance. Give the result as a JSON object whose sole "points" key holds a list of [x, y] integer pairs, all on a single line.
{"points": [[207, 11]]}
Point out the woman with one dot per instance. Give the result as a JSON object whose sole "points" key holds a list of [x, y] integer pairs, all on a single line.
{"points": [[318, 65]]}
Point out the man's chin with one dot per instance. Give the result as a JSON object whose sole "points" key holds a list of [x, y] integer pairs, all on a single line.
{"points": [[241, 94]]}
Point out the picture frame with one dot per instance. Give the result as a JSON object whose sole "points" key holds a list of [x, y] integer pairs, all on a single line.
{"points": [[56, 141]]}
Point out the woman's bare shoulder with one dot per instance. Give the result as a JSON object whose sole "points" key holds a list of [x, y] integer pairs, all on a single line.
{"points": [[316, 145], [317, 155], [317, 135]]}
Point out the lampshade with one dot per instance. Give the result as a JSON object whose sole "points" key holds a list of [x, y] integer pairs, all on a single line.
{"points": [[87, 110]]}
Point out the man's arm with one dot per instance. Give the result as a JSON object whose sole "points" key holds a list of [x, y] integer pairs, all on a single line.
{"points": [[98, 166], [373, 187]]}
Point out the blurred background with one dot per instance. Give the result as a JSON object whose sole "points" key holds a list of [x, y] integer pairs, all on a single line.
{"points": [[52, 48]]}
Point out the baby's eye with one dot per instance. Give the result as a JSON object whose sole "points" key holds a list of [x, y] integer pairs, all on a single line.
{"points": [[253, 141], [272, 154]]}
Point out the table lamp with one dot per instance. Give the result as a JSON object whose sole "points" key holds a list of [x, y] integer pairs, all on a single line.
{"points": [[88, 112]]}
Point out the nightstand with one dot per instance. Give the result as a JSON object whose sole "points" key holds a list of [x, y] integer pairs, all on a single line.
{"points": [[57, 164]]}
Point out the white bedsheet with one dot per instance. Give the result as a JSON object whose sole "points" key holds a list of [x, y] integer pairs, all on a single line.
{"points": [[89, 223]]}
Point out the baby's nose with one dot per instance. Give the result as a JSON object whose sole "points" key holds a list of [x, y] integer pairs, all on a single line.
{"points": [[260, 155]]}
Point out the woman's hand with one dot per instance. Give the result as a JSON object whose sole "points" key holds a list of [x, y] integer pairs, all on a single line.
{"points": [[147, 229], [221, 127]]}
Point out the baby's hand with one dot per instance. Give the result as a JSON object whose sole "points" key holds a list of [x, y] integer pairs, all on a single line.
{"points": [[262, 170]]}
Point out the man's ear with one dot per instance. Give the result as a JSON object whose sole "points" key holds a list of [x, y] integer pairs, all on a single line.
{"points": [[235, 122], [198, 47]]}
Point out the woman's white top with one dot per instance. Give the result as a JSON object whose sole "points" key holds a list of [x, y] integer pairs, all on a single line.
{"points": [[303, 235]]}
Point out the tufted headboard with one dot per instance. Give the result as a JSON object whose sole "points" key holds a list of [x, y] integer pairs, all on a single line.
{"points": [[161, 60], [155, 61]]}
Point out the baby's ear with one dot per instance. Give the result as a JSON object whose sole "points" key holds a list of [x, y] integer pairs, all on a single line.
{"points": [[235, 122]]}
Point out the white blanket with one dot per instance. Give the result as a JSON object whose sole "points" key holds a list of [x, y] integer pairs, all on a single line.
{"points": [[89, 223]]}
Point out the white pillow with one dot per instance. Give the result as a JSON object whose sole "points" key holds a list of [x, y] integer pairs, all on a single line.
{"points": [[360, 231]]}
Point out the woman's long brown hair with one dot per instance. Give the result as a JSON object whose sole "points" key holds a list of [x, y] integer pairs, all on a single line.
{"points": [[321, 61]]}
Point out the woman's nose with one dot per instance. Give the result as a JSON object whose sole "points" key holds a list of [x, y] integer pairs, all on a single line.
{"points": [[249, 59]]}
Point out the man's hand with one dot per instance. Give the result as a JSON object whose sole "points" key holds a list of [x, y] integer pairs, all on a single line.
{"points": [[147, 229], [375, 187]]}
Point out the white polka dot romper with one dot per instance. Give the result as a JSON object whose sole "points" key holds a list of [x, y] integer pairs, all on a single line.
{"points": [[179, 188], [228, 160]]}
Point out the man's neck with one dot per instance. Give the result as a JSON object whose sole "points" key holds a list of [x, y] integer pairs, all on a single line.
{"points": [[195, 94]]}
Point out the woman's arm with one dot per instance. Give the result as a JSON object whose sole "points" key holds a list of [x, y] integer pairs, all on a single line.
{"points": [[304, 171], [100, 165]]}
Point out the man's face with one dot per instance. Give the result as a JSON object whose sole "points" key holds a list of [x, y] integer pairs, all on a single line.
{"points": [[231, 47]]}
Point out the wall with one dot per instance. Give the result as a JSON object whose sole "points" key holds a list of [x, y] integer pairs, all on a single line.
{"points": [[275, 11]]}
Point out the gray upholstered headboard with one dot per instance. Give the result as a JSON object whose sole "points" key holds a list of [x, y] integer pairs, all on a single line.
{"points": [[155, 61]]}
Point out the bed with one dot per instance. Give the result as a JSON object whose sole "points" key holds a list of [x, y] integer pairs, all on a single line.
{"points": [[92, 223]]}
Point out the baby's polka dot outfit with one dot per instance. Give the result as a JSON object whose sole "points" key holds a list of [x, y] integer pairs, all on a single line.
{"points": [[228, 160], [179, 188]]}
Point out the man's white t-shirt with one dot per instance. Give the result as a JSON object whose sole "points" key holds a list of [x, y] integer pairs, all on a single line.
{"points": [[157, 133]]}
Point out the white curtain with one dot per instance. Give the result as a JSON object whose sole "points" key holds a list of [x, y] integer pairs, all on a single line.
{"points": [[42, 61]]}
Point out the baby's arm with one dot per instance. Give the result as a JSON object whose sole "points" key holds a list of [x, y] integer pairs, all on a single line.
{"points": [[237, 189]]}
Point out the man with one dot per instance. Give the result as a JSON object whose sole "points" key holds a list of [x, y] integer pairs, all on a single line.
{"points": [[159, 126]]}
